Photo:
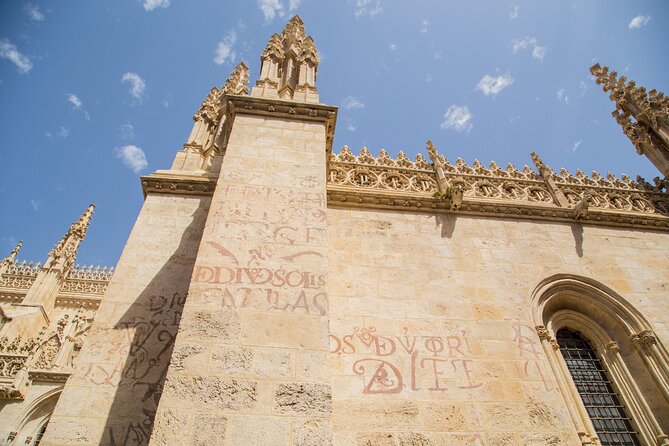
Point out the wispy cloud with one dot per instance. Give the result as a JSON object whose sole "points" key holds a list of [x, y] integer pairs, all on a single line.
{"points": [[271, 8], [351, 102], [351, 125], [294, 4], [538, 51], [458, 118], [225, 50], [74, 100], [33, 12], [425, 26], [392, 47], [150, 5], [9, 51], [36, 204], [639, 21], [367, 7], [490, 85], [428, 78], [514, 12], [127, 131], [77, 104], [133, 157], [437, 55], [137, 85], [576, 145], [562, 96]]}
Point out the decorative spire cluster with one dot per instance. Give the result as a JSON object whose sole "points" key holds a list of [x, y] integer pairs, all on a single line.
{"points": [[643, 116], [211, 108], [288, 65], [11, 258]]}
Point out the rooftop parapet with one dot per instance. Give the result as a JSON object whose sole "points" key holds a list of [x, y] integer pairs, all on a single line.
{"points": [[541, 192]]}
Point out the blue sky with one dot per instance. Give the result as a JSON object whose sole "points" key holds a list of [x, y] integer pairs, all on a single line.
{"points": [[95, 93]]}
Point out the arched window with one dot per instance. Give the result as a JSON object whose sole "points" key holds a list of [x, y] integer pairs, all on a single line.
{"points": [[611, 370], [601, 401]]}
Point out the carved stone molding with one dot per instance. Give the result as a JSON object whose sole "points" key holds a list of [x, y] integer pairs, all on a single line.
{"points": [[48, 376], [613, 347], [645, 337], [164, 184]]}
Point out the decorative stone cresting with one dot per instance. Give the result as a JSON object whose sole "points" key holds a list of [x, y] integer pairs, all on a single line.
{"points": [[366, 180]]}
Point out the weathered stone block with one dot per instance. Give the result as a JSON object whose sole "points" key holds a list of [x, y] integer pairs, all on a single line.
{"points": [[303, 398]]}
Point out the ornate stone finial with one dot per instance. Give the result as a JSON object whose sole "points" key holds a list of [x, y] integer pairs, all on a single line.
{"points": [[643, 116], [273, 49], [12, 256], [433, 153], [67, 246], [210, 107], [544, 170], [294, 32], [237, 81], [309, 51]]}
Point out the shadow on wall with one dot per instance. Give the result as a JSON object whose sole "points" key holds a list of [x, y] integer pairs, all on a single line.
{"points": [[577, 230], [154, 317], [447, 223]]}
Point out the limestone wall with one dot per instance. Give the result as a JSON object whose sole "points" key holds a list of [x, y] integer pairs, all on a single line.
{"points": [[431, 333], [111, 397], [249, 365]]}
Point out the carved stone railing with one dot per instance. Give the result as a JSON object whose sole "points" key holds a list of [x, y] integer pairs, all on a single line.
{"points": [[87, 280], [382, 173], [384, 182], [20, 275]]}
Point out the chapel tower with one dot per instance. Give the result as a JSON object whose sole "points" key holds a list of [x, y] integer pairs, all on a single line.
{"points": [[223, 279]]}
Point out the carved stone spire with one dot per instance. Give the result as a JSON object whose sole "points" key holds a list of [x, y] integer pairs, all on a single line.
{"points": [[288, 65], [12, 256], [643, 116], [65, 250], [237, 81], [549, 178]]}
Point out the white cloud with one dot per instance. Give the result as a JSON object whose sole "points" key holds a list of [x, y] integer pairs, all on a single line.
{"points": [[351, 126], [639, 21], [425, 26], [367, 7], [538, 51], [10, 52], [36, 204], [127, 131], [63, 132], [457, 118], [137, 85], [133, 157], [584, 88], [514, 12], [562, 96], [350, 102], [225, 51], [576, 145], [392, 47], [492, 85], [74, 100], [514, 119], [437, 55], [150, 5], [428, 78], [270, 8], [33, 12], [294, 4]]}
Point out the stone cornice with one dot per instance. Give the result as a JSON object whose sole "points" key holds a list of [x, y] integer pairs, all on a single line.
{"points": [[348, 198], [168, 182], [305, 111]]}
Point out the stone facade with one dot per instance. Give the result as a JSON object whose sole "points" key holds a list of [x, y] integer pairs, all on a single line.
{"points": [[273, 292]]}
